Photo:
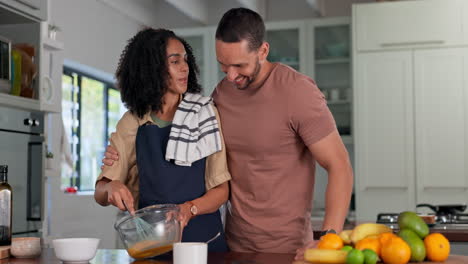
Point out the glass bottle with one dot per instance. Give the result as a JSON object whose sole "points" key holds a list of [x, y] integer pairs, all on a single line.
{"points": [[5, 207]]}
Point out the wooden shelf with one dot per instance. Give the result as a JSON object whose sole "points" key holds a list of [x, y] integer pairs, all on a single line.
{"points": [[338, 102], [19, 102], [290, 63], [332, 61], [52, 44], [334, 85]]}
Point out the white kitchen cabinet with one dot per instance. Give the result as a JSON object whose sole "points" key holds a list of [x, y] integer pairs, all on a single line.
{"points": [[396, 25], [331, 67], [465, 22], [36, 9], [441, 128], [383, 133], [202, 41], [50, 73], [25, 32], [48, 61], [410, 128], [288, 44]]}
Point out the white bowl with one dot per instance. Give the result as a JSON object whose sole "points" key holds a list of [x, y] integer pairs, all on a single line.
{"points": [[75, 250]]}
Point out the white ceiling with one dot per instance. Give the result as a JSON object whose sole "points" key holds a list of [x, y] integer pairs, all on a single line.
{"points": [[192, 13]]}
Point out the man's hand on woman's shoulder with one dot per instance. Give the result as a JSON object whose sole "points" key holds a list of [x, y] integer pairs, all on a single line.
{"points": [[110, 156]]}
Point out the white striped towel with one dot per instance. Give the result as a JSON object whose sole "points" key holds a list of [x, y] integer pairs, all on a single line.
{"points": [[195, 131]]}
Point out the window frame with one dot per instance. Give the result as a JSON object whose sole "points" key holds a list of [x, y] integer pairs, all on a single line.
{"points": [[70, 71]]}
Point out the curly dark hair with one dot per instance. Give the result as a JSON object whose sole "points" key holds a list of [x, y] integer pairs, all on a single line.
{"points": [[142, 72]]}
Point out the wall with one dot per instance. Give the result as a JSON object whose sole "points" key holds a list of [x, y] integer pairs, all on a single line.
{"points": [[72, 215], [93, 35]]}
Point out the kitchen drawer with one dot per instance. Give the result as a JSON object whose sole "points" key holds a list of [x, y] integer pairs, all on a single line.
{"points": [[34, 8], [408, 24]]}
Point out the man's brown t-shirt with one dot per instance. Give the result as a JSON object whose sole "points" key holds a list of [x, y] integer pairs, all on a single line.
{"points": [[267, 132]]}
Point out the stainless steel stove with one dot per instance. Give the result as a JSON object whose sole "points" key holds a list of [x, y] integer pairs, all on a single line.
{"points": [[390, 218]]}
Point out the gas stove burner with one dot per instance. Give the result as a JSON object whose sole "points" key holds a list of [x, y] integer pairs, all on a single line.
{"points": [[392, 218], [387, 218], [446, 209], [453, 219]]}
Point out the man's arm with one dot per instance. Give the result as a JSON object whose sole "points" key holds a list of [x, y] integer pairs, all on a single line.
{"points": [[332, 155], [110, 156]]}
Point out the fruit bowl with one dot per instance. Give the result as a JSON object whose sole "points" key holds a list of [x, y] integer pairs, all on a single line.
{"points": [[164, 228]]}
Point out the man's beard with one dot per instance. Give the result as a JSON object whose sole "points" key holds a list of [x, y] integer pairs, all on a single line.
{"points": [[253, 77]]}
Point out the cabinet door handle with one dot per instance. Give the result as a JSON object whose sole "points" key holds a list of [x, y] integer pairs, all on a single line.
{"points": [[47, 90], [396, 44], [385, 188], [445, 187], [28, 4]]}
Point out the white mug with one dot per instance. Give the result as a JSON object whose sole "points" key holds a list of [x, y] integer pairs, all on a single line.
{"points": [[335, 95], [190, 252]]}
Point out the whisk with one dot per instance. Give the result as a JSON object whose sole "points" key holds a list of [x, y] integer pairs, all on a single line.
{"points": [[144, 230]]}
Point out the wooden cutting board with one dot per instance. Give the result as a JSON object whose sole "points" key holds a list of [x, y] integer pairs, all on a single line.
{"points": [[4, 252]]}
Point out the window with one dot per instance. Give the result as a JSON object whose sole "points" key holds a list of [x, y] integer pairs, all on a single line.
{"points": [[91, 109]]}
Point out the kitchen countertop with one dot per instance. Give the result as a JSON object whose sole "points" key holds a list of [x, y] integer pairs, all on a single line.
{"points": [[107, 256], [454, 233], [116, 256]]}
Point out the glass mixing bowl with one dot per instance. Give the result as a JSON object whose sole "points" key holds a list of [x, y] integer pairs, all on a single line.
{"points": [[162, 230]]}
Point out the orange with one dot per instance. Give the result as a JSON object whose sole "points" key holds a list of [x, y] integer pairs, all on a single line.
{"points": [[330, 241], [385, 237], [371, 243], [437, 247], [395, 251]]}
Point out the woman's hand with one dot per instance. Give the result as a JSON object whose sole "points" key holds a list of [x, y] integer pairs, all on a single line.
{"points": [[300, 252], [110, 156], [184, 214], [119, 196]]}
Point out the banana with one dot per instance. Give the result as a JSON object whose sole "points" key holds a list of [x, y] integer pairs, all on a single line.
{"points": [[345, 236], [325, 256], [368, 229]]}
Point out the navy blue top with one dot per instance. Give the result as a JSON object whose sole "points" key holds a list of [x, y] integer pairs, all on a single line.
{"points": [[163, 182]]}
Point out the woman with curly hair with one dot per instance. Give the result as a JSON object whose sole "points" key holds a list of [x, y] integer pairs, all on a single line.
{"points": [[169, 144]]}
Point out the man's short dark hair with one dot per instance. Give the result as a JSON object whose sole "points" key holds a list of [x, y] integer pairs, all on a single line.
{"points": [[238, 24]]}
